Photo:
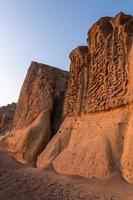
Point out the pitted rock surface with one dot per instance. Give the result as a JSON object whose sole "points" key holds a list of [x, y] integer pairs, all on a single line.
{"points": [[97, 130], [95, 114], [100, 74]]}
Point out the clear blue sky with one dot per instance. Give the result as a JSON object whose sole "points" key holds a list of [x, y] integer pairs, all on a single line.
{"points": [[45, 31]]}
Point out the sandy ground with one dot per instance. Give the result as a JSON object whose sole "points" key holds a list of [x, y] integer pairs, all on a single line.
{"points": [[21, 182]]}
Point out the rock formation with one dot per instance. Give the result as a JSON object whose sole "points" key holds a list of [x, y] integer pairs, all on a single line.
{"points": [[93, 120], [99, 72], [39, 111], [6, 117], [95, 138]]}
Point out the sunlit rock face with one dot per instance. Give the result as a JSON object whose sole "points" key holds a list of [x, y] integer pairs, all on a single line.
{"points": [[101, 73], [39, 111], [95, 139]]}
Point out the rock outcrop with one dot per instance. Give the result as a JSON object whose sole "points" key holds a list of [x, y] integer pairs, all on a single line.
{"points": [[101, 73], [95, 138], [6, 117], [39, 111], [93, 117]]}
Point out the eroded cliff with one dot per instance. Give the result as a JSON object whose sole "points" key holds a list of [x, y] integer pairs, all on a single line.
{"points": [[101, 73], [39, 111], [95, 139]]}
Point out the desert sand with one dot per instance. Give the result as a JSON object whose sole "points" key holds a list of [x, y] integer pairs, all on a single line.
{"points": [[22, 182]]}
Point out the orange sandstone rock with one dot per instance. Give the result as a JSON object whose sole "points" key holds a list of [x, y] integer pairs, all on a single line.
{"points": [[94, 137], [39, 111], [98, 105]]}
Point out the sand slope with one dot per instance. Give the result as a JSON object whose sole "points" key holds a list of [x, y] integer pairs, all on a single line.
{"points": [[21, 182]]}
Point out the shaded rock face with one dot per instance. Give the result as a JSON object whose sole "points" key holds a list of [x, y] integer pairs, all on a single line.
{"points": [[39, 111], [6, 117], [95, 139]]}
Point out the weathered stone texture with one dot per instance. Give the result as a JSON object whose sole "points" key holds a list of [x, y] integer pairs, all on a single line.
{"points": [[39, 111], [95, 137], [43, 90], [97, 130], [6, 117], [100, 74]]}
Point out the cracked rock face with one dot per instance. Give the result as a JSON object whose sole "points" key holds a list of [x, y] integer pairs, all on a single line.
{"points": [[98, 105], [39, 111]]}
